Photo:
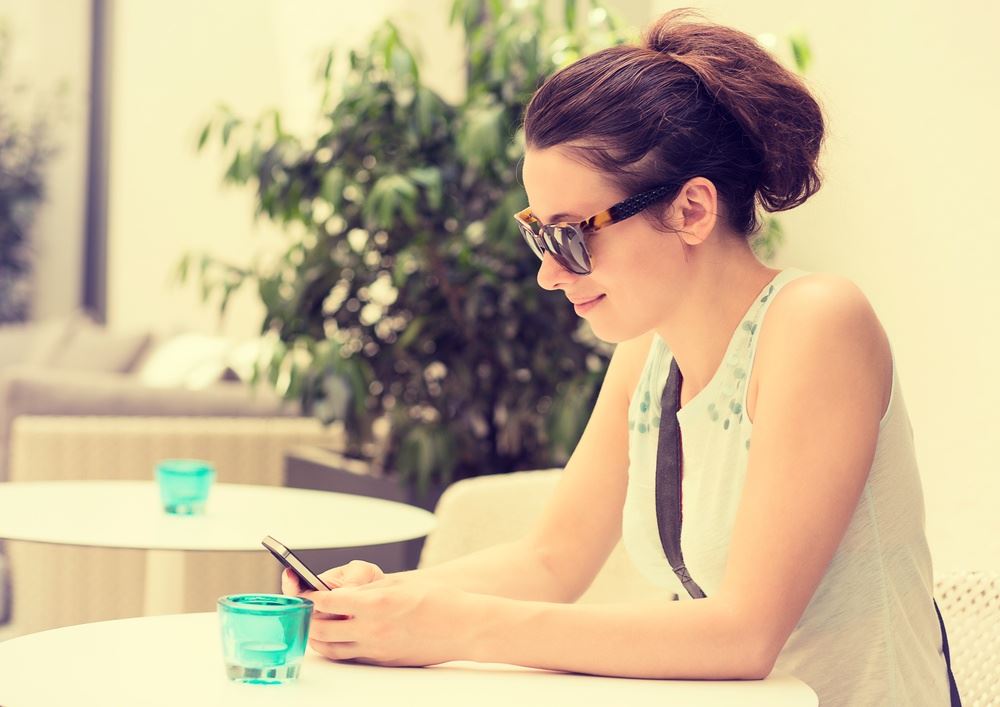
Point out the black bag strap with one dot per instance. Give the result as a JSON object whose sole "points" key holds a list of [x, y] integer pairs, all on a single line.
{"points": [[669, 515], [668, 480], [956, 700]]}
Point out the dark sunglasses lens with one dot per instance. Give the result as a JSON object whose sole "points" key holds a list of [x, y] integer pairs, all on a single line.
{"points": [[532, 240], [566, 244]]}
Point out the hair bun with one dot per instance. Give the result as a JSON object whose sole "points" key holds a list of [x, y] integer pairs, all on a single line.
{"points": [[693, 99], [671, 34], [746, 80]]}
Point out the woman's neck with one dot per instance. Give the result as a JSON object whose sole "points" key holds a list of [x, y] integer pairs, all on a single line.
{"points": [[719, 294]]}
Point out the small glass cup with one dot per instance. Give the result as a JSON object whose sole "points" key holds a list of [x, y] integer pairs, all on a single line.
{"points": [[264, 636], [184, 485]]}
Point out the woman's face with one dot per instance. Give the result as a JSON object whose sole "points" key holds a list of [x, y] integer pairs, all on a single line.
{"points": [[638, 272]]}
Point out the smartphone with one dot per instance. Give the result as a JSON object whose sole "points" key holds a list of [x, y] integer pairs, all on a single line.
{"points": [[295, 564]]}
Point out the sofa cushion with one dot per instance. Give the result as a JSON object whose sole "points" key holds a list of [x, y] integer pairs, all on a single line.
{"points": [[188, 360], [35, 343], [15, 343], [93, 347], [31, 390]]}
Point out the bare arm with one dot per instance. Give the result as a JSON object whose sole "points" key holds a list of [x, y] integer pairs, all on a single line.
{"points": [[822, 393], [559, 558], [821, 397], [512, 570]]}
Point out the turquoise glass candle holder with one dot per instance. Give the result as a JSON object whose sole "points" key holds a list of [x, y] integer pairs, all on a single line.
{"points": [[264, 636], [184, 485]]}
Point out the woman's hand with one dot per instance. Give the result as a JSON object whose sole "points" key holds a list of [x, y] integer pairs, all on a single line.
{"points": [[353, 574], [392, 621]]}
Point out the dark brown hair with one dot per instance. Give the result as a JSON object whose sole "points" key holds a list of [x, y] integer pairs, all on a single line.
{"points": [[694, 99]]}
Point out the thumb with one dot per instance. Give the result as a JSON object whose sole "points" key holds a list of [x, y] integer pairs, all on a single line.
{"points": [[353, 574], [337, 604]]}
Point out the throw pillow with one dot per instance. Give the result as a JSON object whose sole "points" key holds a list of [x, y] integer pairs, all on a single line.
{"points": [[186, 360]]}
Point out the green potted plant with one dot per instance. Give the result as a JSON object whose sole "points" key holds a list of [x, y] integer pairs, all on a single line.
{"points": [[24, 151], [405, 304], [407, 296]]}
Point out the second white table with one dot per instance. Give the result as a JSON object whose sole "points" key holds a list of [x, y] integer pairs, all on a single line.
{"points": [[127, 514]]}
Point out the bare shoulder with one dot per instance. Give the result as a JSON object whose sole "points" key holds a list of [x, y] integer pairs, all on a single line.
{"points": [[822, 315], [821, 299]]}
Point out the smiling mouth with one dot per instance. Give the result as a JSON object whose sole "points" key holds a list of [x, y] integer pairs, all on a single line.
{"points": [[582, 308], [579, 303]]}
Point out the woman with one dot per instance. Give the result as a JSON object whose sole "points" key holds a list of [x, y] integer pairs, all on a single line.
{"points": [[808, 543]]}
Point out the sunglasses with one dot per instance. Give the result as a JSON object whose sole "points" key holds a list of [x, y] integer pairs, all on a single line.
{"points": [[565, 242]]}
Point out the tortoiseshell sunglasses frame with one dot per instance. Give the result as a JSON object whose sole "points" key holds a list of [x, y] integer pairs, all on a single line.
{"points": [[565, 240]]}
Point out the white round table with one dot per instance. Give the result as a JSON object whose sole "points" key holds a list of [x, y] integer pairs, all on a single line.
{"points": [[174, 660], [128, 514]]}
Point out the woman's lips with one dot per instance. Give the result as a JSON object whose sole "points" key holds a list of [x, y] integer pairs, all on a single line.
{"points": [[584, 306]]}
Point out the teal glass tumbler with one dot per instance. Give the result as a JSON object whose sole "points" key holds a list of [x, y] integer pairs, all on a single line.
{"points": [[264, 636], [184, 485]]}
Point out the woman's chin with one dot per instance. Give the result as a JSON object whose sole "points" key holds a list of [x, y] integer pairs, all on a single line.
{"points": [[611, 334]]}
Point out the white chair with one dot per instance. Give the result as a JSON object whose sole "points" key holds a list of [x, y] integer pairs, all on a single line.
{"points": [[970, 604], [486, 510]]}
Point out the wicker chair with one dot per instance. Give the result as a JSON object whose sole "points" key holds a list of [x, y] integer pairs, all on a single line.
{"points": [[970, 604]]}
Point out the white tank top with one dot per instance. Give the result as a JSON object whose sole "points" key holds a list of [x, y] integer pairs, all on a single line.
{"points": [[870, 635]]}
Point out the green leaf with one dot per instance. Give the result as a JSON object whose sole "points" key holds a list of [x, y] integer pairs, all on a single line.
{"points": [[428, 109], [238, 171], [430, 179], [411, 332], [801, 52], [227, 129], [203, 137], [424, 450], [403, 63], [767, 242], [328, 66], [332, 189], [227, 291], [183, 266], [483, 136], [391, 196], [569, 15]]}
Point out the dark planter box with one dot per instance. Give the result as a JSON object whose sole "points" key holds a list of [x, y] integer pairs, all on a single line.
{"points": [[327, 470]]}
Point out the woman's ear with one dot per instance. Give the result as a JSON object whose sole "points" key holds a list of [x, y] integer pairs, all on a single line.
{"points": [[693, 212]]}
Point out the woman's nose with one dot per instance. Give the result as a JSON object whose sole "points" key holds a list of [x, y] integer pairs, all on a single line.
{"points": [[552, 275]]}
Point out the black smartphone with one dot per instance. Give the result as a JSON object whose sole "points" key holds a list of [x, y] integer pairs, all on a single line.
{"points": [[290, 560]]}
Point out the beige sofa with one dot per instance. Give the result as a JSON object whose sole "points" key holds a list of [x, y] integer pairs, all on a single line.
{"points": [[59, 585], [71, 366]]}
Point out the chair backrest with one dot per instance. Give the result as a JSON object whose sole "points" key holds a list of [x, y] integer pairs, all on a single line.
{"points": [[970, 605], [486, 510]]}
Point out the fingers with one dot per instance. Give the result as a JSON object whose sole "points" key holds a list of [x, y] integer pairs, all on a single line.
{"points": [[353, 574], [290, 583], [351, 652], [335, 651], [343, 601], [333, 630]]}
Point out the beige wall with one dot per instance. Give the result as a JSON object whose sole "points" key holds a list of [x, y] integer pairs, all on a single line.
{"points": [[911, 94], [174, 63]]}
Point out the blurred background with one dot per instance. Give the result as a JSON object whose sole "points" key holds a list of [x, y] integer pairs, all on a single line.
{"points": [[125, 90]]}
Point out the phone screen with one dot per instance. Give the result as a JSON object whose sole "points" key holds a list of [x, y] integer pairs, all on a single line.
{"points": [[290, 560]]}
